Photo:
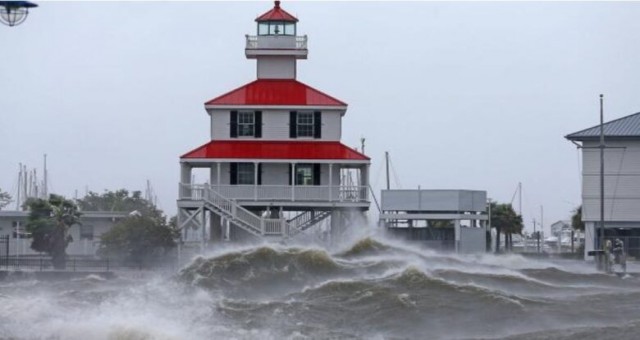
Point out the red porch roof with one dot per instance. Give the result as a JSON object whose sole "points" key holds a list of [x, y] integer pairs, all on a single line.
{"points": [[275, 150], [276, 92], [277, 14]]}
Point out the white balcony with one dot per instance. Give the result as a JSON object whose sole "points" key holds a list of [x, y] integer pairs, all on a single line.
{"points": [[281, 194], [261, 45]]}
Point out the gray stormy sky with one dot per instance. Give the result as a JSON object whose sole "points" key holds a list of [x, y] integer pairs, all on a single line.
{"points": [[462, 95]]}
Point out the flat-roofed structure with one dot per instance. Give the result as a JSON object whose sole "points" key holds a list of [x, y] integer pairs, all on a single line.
{"points": [[443, 219]]}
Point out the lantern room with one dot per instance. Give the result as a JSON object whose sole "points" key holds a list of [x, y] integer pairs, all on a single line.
{"points": [[276, 22], [276, 36]]}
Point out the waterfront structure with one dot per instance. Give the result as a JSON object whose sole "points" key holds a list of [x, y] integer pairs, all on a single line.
{"points": [[621, 182], [441, 219], [86, 236], [275, 161]]}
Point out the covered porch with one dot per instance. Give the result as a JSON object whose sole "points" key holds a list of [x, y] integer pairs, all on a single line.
{"points": [[274, 183]]}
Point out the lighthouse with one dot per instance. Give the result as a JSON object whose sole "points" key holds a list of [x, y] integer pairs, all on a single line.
{"points": [[276, 164]]}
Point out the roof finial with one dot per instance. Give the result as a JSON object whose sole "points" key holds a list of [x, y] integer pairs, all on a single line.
{"points": [[277, 4]]}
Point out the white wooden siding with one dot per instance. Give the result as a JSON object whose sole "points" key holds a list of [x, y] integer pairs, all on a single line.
{"points": [[622, 182], [331, 125], [275, 174], [276, 67], [220, 124], [275, 125]]}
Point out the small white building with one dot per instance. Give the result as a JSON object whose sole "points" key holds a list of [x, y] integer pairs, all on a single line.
{"points": [[86, 237], [275, 161], [621, 182]]}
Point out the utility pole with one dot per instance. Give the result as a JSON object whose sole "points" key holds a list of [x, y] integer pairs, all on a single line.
{"points": [[537, 235], [386, 157], [45, 191], [19, 186], [602, 146], [541, 223], [520, 198]]}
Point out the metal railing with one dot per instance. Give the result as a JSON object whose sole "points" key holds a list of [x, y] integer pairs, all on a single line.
{"points": [[257, 224], [255, 42], [305, 193], [44, 263]]}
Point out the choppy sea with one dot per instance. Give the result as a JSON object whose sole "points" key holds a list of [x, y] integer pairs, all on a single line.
{"points": [[370, 289]]}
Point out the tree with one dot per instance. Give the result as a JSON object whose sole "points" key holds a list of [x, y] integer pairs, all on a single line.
{"points": [[139, 240], [5, 199], [505, 220], [119, 200], [49, 222], [576, 219]]}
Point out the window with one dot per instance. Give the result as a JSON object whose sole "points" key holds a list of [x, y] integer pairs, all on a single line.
{"points": [[307, 174], [246, 124], [19, 230], [246, 173], [276, 28], [86, 232], [304, 174], [305, 124]]}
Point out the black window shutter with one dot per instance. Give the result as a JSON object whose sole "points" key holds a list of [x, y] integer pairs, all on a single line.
{"points": [[290, 172], [258, 124], [317, 124], [233, 174], [316, 174], [233, 133], [293, 124], [259, 173]]}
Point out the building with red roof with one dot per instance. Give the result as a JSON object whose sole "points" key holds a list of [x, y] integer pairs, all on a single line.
{"points": [[275, 161]]}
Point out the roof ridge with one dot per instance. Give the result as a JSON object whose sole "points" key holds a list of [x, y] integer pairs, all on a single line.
{"points": [[322, 98], [604, 125]]}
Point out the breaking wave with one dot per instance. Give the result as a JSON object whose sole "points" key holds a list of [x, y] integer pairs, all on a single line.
{"points": [[370, 289]]}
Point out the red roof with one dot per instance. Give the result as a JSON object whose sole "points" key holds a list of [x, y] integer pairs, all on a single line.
{"points": [[276, 92], [276, 150], [277, 14]]}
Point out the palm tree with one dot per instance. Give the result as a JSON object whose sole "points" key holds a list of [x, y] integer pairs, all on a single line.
{"points": [[505, 220], [49, 222]]}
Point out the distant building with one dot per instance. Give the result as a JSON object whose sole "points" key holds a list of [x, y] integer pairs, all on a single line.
{"points": [[621, 182], [563, 231], [557, 228], [86, 237], [440, 219], [275, 162]]}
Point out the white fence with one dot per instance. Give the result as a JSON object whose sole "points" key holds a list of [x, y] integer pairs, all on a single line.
{"points": [[311, 193]]}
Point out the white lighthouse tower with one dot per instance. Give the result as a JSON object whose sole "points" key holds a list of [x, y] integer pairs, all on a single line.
{"points": [[276, 163]]}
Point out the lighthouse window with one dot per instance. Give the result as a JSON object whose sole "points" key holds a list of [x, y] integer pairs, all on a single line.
{"points": [[246, 124], [289, 29], [263, 28], [305, 124], [276, 28]]}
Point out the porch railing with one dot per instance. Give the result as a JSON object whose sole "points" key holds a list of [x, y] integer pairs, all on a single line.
{"points": [[311, 193]]}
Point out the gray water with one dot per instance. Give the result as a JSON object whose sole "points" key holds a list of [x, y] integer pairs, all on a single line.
{"points": [[371, 289]]}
